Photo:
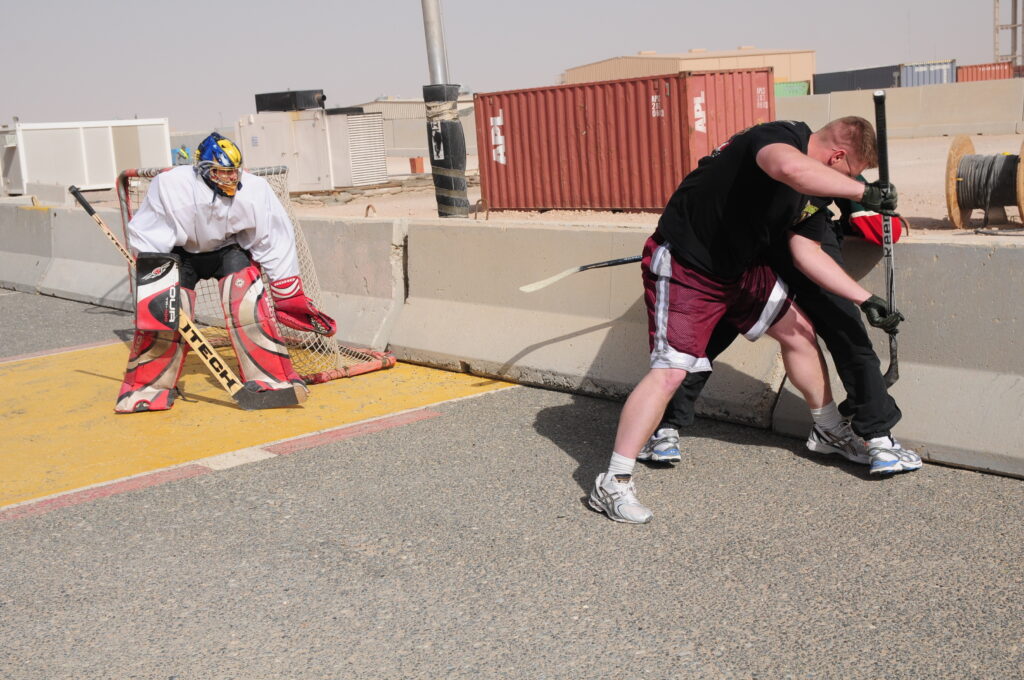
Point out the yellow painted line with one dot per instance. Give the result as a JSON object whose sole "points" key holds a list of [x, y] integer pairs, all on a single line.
{"points": [[61, 433]]}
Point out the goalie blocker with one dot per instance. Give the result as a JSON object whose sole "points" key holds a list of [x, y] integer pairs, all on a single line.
{"points": [[158, 291]]}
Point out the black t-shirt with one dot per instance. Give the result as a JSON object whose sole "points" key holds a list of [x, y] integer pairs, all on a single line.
{"points": [[728, 210]]}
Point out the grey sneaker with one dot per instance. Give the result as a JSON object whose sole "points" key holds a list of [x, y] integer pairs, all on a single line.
{"points": [[662, 447], [842, 440], [889, 457], [615, 496]]}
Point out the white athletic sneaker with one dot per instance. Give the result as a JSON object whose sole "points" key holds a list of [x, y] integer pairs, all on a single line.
{"points": [[615, 496], [889, 457], [662, 447], [842, 440]]}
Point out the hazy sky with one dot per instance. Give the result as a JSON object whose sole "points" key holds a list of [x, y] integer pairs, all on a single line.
{"points": [[200, 63]]}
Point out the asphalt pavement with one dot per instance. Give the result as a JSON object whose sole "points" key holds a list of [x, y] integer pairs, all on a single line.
{"points": [[460, 546]]}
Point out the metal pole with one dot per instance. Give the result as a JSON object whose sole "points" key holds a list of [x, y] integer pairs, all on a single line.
{"points": [[445, 138], [995, 30], [437, 58], [1014, 32]]}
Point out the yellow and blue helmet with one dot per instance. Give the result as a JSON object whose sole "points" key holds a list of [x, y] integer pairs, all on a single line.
{"points": [[219, 163]]}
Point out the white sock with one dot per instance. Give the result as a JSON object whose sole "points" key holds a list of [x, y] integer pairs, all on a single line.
{"points": [[620, 465], [886, 442], [827, 417]]}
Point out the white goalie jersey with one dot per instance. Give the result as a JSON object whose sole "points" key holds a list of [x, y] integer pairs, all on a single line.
{"points": [[181, 210]]}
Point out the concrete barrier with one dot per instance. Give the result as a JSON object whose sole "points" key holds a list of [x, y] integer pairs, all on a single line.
{"points": [[50, 194], [84, 265], [962, 384], [60, 251], [587, 333], [445, 293], [812, 109], [361, 268], [961, 350], [25, 244], [972, 108]]}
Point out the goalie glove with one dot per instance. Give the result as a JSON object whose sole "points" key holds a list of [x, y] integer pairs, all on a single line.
{"points": [[297, 311]]}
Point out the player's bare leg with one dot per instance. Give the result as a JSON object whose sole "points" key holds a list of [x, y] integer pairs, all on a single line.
{"points": [[805, 365], [614, 492], [643, 409]]}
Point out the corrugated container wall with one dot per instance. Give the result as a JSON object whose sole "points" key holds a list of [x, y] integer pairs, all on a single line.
{"points": [[876, 78], [623, 144], [928, 73], [996, 71]]}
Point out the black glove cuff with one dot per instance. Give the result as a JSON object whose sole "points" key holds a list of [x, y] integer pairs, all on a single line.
{"points": [[873, 301]]}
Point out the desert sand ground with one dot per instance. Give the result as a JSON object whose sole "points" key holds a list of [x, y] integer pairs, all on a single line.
{"points": [[917, 168]]}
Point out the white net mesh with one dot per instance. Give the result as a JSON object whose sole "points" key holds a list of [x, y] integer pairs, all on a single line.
{"points": [[316, 358]]}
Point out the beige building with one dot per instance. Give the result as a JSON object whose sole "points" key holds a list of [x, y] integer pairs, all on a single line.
{"points": [[789, 65], [405, 124]]}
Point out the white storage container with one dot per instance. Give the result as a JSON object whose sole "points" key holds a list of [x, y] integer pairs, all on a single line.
{"points": [[323, 152], [357, 149], [87, 154]]}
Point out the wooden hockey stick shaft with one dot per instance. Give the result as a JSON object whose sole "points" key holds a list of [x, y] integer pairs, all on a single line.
{"points": [[544, 283], [247, 399], [892, 374]]}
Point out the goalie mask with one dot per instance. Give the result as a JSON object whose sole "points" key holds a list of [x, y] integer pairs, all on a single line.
{"points": [[219, 163]]}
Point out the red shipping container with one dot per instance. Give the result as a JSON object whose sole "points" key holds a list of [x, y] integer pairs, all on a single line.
{"points": [[995, 71], [612, 145]]}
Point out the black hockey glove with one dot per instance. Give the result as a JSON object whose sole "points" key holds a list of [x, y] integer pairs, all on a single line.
{"points": [[879, 197], [876, 310]]}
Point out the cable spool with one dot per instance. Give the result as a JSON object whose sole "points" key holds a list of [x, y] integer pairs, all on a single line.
{"points": [[976, 182]]}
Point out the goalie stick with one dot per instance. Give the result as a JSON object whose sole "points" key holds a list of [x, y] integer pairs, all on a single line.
{"points": [[537, 285], [892, 374], [246, 397]]}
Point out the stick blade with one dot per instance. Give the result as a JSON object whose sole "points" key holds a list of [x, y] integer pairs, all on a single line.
{"points": [[537, 285], [250, 399]]}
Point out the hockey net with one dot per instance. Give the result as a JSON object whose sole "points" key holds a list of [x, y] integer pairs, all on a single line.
{"points": [[316, 358]]}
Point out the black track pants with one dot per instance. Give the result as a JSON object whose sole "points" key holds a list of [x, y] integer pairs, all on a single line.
{"points": [[839, 324]]}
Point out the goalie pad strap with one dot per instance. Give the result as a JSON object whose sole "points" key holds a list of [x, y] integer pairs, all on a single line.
{"points": [[157, 291]]}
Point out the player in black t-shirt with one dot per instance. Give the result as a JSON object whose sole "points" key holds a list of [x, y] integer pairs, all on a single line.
{"points": [[704, 264]]}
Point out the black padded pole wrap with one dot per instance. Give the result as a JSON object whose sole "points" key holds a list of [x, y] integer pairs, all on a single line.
{"points": [[447, 145]]}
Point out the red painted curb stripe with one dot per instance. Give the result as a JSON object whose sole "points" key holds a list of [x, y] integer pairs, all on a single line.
{"points": [[76, 497], [302, 443]]}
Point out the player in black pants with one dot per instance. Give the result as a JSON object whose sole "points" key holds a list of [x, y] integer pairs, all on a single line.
{"points": [[872, 411]]}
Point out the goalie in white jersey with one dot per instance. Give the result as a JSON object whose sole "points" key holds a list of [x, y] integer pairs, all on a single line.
{"points": [[213, 220]]}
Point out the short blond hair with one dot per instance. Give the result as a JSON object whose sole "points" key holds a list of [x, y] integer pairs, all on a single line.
{"points": [[857, 135]]}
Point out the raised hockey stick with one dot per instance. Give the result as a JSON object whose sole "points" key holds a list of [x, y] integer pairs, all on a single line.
{"points": [[530, 287], [243, 395], [892, 374]]}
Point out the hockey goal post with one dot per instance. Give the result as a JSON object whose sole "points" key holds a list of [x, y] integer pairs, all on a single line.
{"points": [[316, 358]]}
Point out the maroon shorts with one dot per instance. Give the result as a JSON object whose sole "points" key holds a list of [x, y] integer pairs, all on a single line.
{"points": [[684, 306]]}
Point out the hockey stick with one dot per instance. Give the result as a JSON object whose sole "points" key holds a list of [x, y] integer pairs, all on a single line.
{"points": [[530, 287], [892, 374], [246, 397]]}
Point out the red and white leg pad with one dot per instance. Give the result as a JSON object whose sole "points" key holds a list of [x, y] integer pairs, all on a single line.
{"points": [[262, 355], [154, 367]]}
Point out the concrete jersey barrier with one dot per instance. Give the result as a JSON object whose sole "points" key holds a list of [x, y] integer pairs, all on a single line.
{"points": [[446, 293], [962, 373]]}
